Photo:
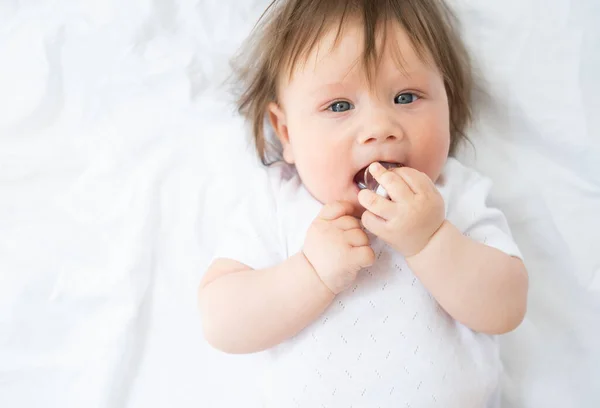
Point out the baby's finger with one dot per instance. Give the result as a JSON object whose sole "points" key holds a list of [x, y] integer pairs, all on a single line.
{"points": [[347, 222], [364, 255], [417, 181], [373, 223], [336, 210], [382, 207], [395, 186], [356, 237]]}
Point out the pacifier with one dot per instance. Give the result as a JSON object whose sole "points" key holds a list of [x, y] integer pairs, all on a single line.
{"points": [[367, 181]]}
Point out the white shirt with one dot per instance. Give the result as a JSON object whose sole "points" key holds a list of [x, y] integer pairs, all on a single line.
{"points": [[385, 342]]}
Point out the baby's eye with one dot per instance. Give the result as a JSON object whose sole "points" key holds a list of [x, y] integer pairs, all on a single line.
{"points": [[341, 106], [405, 98]]}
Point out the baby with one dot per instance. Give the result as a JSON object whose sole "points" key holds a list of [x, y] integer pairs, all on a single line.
{"points": [[362, 299]]}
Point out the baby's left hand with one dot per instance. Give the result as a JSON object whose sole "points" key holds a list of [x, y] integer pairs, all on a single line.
{"points": [[412, 215]]}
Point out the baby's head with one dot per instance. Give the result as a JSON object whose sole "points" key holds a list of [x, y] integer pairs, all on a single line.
{"points": [[345, 83]]}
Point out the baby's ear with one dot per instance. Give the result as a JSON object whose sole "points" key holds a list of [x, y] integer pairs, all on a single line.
{"points": [[279, 123]]}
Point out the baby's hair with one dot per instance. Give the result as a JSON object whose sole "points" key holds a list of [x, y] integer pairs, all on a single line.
{"points": [[288, 31]]}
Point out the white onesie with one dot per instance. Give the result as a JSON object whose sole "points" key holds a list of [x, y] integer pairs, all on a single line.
{"points": [[385, 342]]}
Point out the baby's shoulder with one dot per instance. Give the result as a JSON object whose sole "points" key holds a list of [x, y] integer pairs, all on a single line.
{"points": [[471, 207], [287, 187], [295, 207], [460, 184]]}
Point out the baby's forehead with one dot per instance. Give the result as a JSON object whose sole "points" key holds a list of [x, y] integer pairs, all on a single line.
{"points": [[340, 53]]}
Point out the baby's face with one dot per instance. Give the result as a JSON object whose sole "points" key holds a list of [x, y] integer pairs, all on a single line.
{"points": [[333, 123]]}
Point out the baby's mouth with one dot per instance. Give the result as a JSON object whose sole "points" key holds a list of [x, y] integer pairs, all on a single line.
{"points": [[364, 180]]}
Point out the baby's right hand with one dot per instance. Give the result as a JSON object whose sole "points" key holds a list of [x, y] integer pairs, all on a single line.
{"points": [[337, 247]]}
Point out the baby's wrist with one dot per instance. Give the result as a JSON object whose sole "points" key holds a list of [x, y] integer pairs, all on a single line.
{"points": [[443, 228], [315, 273]]}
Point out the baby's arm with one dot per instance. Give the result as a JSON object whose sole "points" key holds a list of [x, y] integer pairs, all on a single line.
{"points": [[245, 310], [480, 286]]}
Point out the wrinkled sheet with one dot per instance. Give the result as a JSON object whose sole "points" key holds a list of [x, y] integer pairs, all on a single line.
{"points": [[120, 154]]}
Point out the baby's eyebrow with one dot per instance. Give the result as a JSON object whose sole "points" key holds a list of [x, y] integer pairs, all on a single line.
{"points": [[328, 88], [401, 78]]}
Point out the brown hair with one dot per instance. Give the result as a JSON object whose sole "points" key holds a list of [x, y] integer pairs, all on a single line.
{"points": [[289, 29]]}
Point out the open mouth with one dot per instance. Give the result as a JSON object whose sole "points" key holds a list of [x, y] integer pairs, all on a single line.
{"points": [[364, 180]]}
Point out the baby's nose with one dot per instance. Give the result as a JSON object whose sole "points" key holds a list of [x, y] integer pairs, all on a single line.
{"points": [[381, 128], [381, 137]]}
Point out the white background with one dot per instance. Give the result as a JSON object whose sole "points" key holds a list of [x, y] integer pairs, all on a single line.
{"points": [[120, 154]]}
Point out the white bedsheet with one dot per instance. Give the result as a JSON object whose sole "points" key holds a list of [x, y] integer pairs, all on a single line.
{"points": [[113, 127]]}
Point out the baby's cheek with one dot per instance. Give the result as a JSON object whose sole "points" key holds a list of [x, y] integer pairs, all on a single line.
{"points": [[322, 163], [326, 182], [323, 178], [432, 154]]}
